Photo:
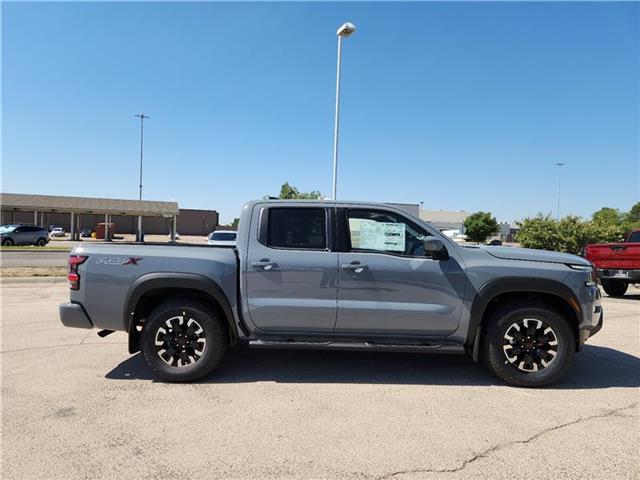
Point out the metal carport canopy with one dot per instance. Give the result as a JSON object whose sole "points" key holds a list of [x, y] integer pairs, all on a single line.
{"points": [[86, 205]]}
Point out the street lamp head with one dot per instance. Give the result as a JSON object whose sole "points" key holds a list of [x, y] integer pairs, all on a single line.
{"points": [[346, 29]]}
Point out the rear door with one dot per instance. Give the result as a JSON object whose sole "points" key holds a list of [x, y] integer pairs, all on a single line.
{"points": [[290, 270], [388, 284]]}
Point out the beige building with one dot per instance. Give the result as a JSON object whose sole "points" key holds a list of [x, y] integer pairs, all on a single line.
{"points": [[76, 213], [445, 219]]}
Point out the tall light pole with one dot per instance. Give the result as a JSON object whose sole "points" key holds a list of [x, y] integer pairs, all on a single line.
{"points": [[142, 117], [344, 31], [559, 165]]}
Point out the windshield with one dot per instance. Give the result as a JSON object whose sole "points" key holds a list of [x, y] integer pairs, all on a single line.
{"points": [[224, 236], [7, 228]]}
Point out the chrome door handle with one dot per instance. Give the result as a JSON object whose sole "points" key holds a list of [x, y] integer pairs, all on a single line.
{"points": [[264, 264], [355, 267]]}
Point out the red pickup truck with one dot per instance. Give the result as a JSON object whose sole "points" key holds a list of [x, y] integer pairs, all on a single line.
{"points": [[617, 264]]}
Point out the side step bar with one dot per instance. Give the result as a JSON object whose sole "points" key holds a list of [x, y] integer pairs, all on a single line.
{"points": [[369, 346]]}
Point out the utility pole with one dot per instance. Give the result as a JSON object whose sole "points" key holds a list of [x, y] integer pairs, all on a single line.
{"points": [[559, 165], [142, 117]]}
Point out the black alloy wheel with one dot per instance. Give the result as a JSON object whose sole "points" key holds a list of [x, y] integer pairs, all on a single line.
{"points": [[183, 340], [530, 345], [180, 341]]}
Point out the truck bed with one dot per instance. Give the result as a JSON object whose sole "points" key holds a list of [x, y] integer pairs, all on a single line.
{"points": [[112, 270]]}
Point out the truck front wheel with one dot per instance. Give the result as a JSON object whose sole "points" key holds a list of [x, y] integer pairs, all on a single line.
{"points": [[615, 288], [528, 345], [183, 341]]}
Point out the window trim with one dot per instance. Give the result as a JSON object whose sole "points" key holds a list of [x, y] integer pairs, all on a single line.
{"points": [[346, 234], [263, 228]]}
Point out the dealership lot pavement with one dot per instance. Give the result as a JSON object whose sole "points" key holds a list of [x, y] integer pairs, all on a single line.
{"points": [[77, 406]]}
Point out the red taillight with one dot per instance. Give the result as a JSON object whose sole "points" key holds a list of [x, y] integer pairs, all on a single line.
{"points": [[73, 276]]}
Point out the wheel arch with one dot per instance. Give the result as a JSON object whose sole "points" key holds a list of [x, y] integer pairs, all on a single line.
{"points": [[496, 292], [150, 290]]}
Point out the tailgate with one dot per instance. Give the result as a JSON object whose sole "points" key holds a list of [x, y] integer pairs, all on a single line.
{"points": [[615, 255]]}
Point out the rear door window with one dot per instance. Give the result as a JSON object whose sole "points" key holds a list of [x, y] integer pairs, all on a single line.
{"points": [[297, 228]]}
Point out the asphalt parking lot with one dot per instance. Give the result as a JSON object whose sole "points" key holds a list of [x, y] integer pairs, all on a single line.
{"points": [[79, 407], [16, 258]]}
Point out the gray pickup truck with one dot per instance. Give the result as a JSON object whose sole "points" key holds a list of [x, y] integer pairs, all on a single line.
{"points": [[337, 275]]}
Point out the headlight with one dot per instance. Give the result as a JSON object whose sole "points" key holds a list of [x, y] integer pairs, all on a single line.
{"points": [[586, 268]]}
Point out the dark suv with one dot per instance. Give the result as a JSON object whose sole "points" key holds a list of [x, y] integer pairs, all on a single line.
{"points": [[23, 235]]}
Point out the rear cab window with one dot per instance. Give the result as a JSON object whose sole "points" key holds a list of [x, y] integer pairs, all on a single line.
{"points": [[634, 237], [224, 236]]}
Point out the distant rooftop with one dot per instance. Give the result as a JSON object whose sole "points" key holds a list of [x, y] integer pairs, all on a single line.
{"points": [[55, 203]]}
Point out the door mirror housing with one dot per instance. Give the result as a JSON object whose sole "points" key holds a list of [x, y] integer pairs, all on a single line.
{"points": [[435, 248]]}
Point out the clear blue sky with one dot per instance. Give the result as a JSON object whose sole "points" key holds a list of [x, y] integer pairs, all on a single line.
{"points": [[462, 106]]}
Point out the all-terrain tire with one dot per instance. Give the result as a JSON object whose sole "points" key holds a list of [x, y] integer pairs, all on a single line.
{"points": [[183, 340], [615, 288], [553, 349]]}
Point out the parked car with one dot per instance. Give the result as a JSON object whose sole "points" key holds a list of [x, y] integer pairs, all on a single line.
{"points": [[338, 276], [495, 242], [85, 232], [617, 264], [23, 235], [57, 232], [223, 238]]}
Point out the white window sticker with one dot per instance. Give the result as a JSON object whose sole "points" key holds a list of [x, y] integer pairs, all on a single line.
{"points": [[382, 236]]}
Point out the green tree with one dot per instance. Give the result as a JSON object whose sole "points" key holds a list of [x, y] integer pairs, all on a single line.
{"points": [[234, 223], [608, 216], [631, 220], [634, 213], [289, 192], [480, 225]]}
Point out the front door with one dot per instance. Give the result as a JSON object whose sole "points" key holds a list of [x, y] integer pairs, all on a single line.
{"points": [[291, 272], [387, 282]]}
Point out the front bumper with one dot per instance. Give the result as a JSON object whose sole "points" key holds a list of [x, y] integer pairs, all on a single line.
{"points": [[592, 315], [73, 315], [586, 333]]}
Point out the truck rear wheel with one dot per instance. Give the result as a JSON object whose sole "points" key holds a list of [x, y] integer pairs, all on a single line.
{"points": [[183, 341], [615, 288], [528, 346]]}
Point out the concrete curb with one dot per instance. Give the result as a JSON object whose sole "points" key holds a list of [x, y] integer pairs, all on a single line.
{"points": [[22, 280]]}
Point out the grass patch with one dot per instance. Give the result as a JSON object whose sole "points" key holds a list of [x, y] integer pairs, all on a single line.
{"points": [[33, 272]]}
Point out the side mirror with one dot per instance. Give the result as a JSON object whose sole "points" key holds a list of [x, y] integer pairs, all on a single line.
{"points": [[435, 248]]}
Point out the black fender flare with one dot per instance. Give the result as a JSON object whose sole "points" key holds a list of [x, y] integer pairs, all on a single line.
{"points": [[184, 281], [499, 286]]}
